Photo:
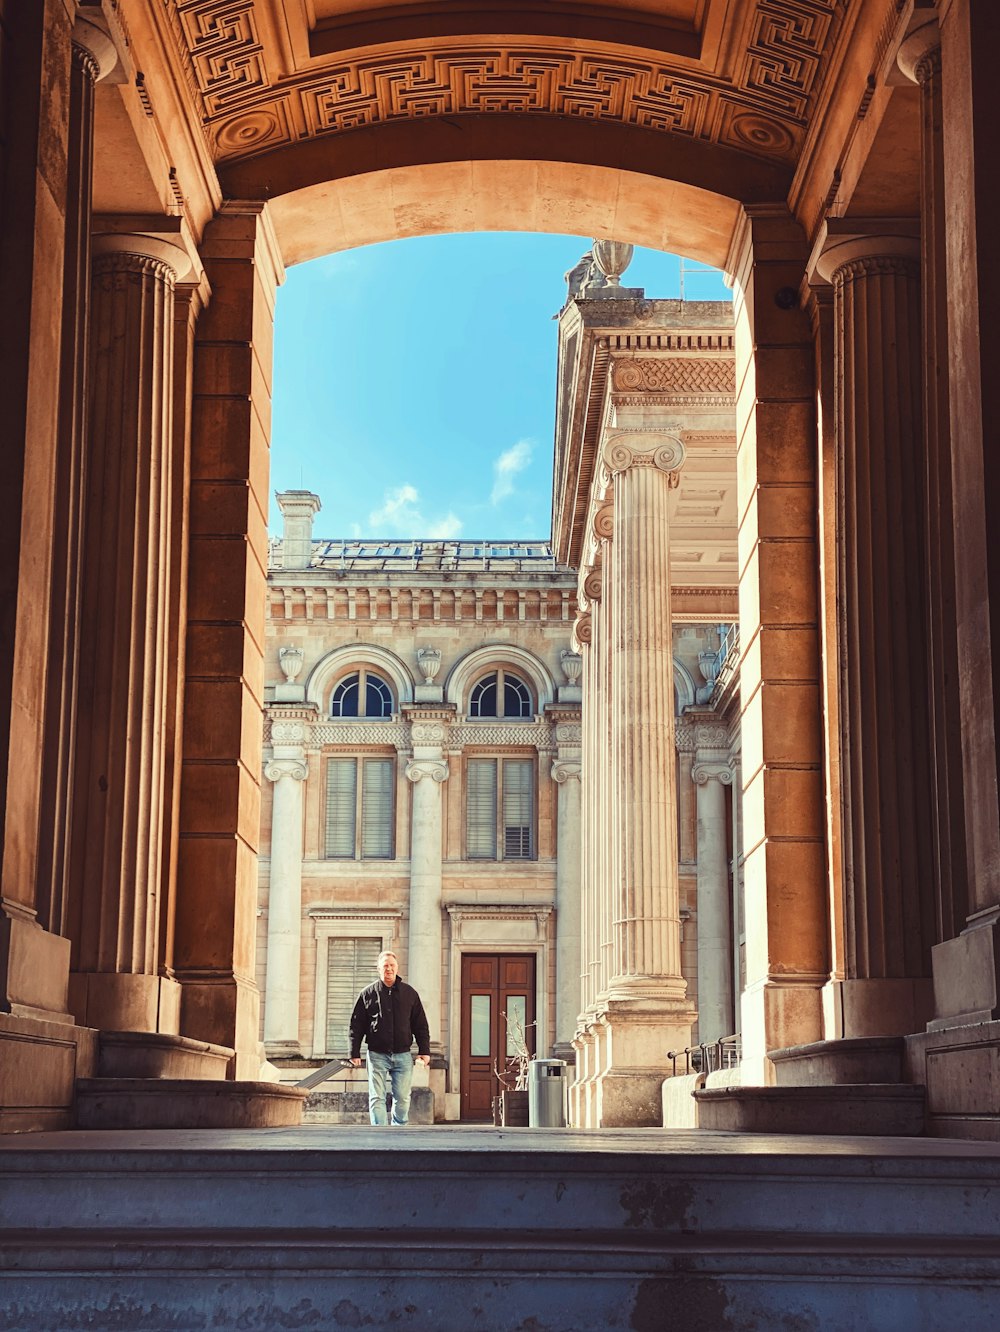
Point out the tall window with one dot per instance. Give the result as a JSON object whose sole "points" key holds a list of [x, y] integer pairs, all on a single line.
{"points": [[350, 966], [500, 807], [501, 694], [363, 694], [359, 808]]}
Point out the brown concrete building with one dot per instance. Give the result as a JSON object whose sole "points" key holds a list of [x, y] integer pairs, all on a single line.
{"points": [[162, 163]]}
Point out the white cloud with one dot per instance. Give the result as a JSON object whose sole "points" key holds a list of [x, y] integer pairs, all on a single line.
{"points": [[446, 529], [506, 467], [401, 515]]}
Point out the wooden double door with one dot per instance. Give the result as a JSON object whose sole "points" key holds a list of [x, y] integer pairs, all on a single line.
{"points": [[498, 1000]]}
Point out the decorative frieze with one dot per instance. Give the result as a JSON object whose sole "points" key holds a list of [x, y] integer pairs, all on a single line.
{"points": [[402, 735], [336, 599], [682, 376]]}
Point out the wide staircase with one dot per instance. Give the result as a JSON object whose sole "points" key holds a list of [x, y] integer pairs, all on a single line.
{"points": [[453, 1229]]}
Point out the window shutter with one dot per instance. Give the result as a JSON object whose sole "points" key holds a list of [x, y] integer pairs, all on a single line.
{"points": [[350, 966], [376, 809], [481, 809], [341, 802], [517, 809]]}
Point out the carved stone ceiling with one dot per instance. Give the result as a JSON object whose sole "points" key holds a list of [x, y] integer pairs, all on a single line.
{"points": [[743, 74]]}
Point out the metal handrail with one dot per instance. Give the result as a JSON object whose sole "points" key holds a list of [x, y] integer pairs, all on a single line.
{"points": [[726, 1052]]}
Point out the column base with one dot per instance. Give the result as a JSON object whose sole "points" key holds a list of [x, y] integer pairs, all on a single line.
{"points": [[41, 1061], [966, 974], [876, 1007], [777, 1014], [223, 1009], [120, 1001], [636, 1035], [34, 970]]}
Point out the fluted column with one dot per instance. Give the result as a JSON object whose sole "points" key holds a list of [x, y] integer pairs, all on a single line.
{"points": [[920, 60], [715, 989], [93, 58], [566, 771], [646, 1010], [885, 738], [115, 874], [427, 770], [284, 907]]}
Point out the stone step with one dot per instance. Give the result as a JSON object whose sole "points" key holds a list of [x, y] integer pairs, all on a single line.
{"points": [[351, 1107], [830, 1063], [869, 1109], [169, 1103], [478, 1230], [150, 1054]]}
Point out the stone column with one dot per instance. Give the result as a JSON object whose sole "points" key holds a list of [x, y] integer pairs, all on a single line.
{"points": [[93, 58], [966, 969], [886, 750], [646, 1011], [920, 60], [284, 907], [715, 992], [115, 870], [427, 770], [566, 771]]}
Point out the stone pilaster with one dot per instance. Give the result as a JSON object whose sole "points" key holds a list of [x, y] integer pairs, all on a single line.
{"points": [[566, 773], [284, 905], [886, 754], [710, 774], [967, 968], [646, 1009], [113, 906], [428, 771]]}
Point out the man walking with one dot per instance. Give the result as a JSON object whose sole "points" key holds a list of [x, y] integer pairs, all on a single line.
{"points": [[389, 1016]]}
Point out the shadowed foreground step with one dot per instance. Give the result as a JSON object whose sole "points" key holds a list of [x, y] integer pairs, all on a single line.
{"points": [[453, 1228]]}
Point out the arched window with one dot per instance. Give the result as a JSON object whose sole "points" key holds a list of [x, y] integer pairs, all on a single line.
{"points": [[500, 694], [363, 694]]}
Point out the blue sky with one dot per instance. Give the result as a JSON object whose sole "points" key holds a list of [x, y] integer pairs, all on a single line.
{"points": [[414, 382]]}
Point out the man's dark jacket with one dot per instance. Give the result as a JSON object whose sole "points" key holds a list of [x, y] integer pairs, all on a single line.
{"points": [[389, 1019]]}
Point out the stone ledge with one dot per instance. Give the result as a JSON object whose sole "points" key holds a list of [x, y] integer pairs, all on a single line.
{"points": [[146, 1103], [873, 1059], [151, 1054], [871, 1109]]}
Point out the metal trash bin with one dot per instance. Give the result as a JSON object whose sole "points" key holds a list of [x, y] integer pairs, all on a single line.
{"points": [[548, 1088]]}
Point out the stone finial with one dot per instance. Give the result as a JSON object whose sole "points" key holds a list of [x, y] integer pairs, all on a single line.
{"points": [[290, 659], [298, 508], [612, 258], [429, 662], [572, 664]]}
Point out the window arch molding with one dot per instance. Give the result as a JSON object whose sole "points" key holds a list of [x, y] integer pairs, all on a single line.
{"points": [[353, 657], [685, 686], [494, 656]]}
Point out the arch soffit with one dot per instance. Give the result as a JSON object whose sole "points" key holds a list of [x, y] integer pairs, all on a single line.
{"points": [[356, 655], [684, 684], [476, 662]]}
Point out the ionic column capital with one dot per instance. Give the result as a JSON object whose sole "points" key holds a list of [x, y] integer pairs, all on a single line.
{"points": [[593, 585], [703, 771], [852, 247], [275, 769], [436, 770], [566, 770], [583, 631], [123, 251], [919, 54], [604, 520], [93, 49], [644, 448]]}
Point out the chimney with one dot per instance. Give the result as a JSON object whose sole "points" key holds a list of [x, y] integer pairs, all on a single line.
{"points": [[297, 509]]}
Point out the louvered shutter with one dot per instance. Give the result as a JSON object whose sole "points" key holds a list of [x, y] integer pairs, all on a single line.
{"points": [[350, 966], [481, 809], [517, 809], [341, 806], [376, 809]]}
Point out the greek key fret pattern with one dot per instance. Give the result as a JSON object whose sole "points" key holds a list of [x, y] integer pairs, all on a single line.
{"points": [[762, 111]]}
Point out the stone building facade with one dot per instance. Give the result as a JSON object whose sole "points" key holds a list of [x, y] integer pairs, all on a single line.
{"points": [[423, 821]]}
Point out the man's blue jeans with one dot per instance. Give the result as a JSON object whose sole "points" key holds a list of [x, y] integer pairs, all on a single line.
{"points": [[385, 1070]]}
